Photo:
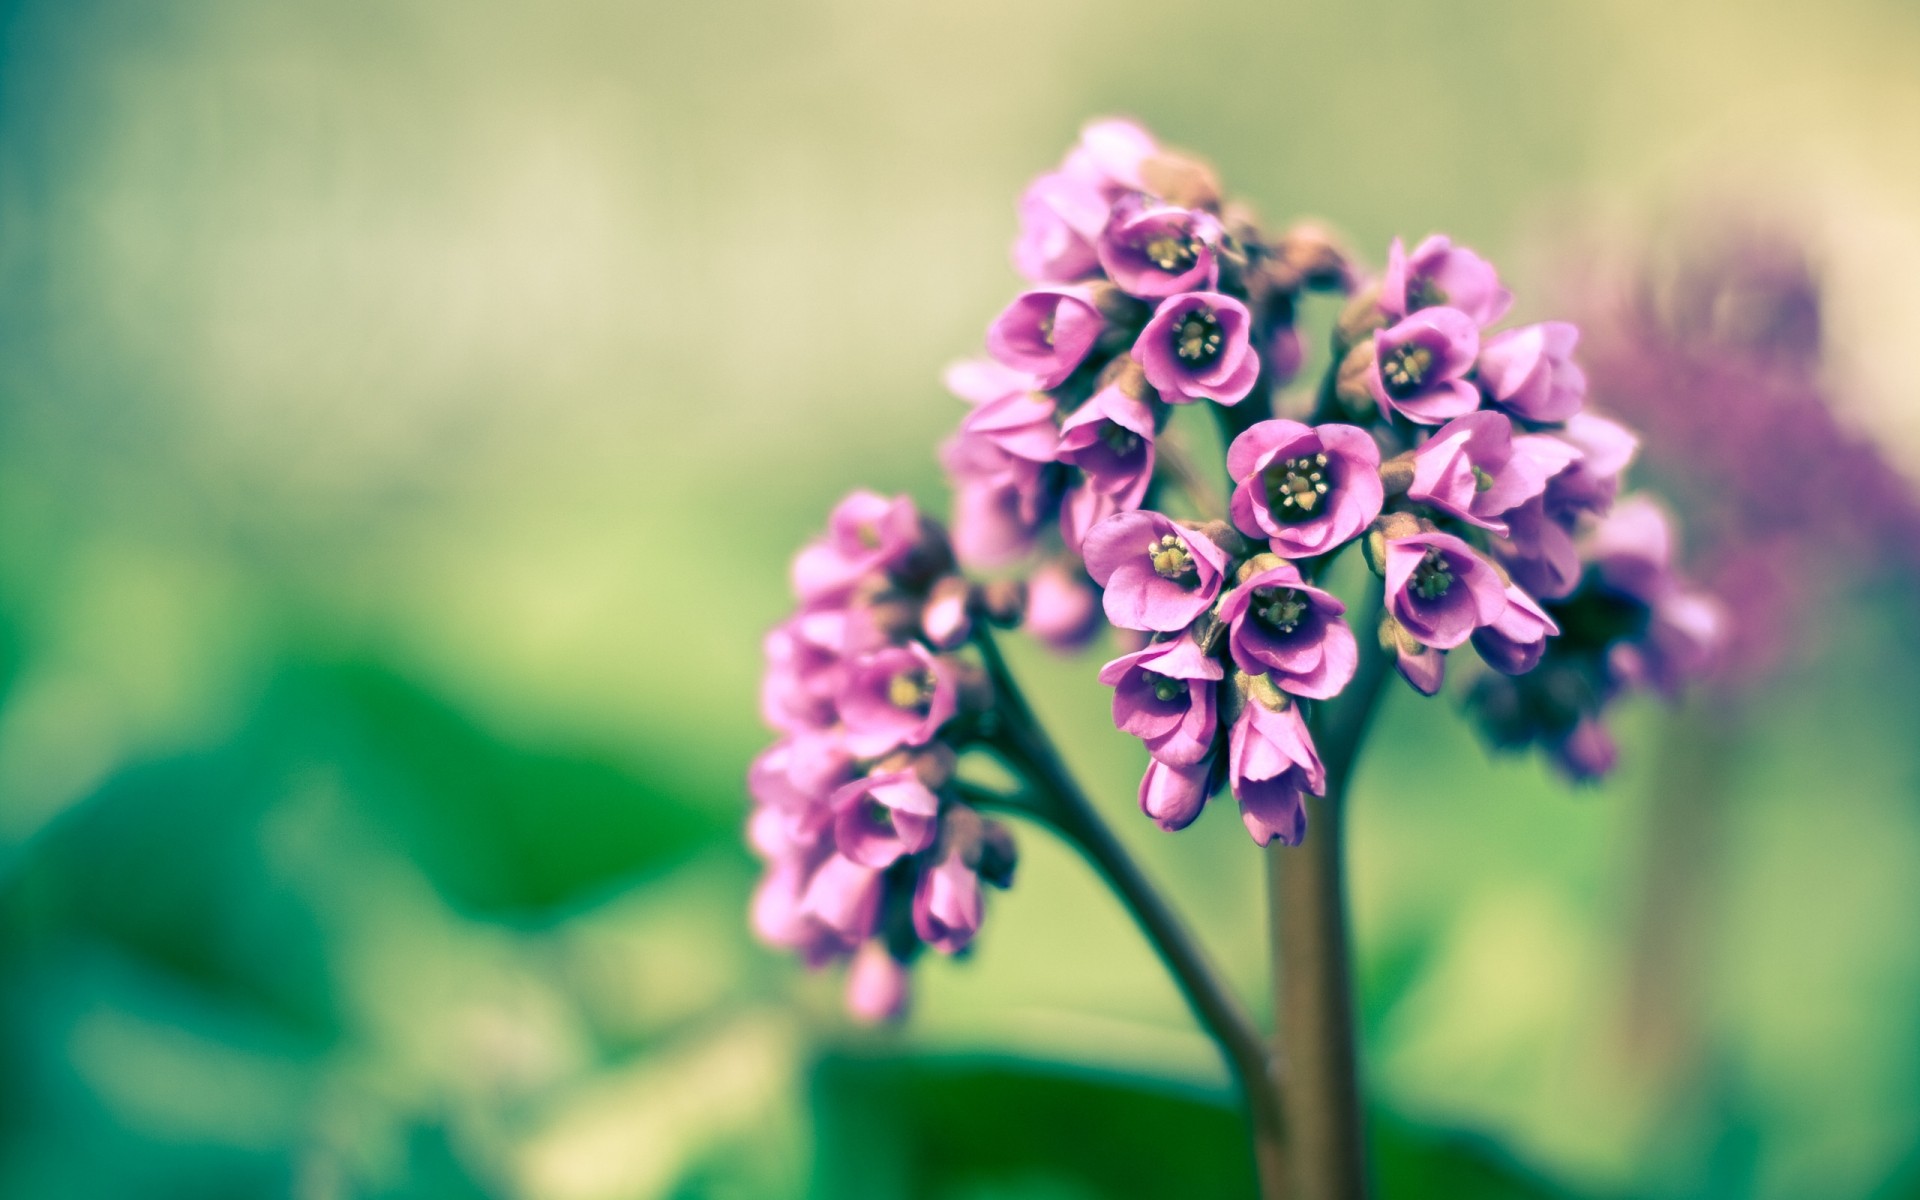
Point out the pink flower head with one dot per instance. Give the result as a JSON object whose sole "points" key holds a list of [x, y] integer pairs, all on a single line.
{"points": [[1155, 251], [804, 670], [999, 500], [1046, 332], [877, 985], [843, 896], [1110, 156], [1441, 274], [1158, 575], [780, 916], [1421, 364], [899, 696], [1305, 488], [1440, 590], [1164, 695], [1197, 347], [1474, 468], [1513, 643], [945, 619], [866, 534], [1060, 217], [1633, 549], [1271, 761], [800, 772], [1530, 372], [1173, 795], [883, 817], [1110, 438], [1291, 632], [946, 905], [1020, 425], [1063, 605], [1540, 552]]}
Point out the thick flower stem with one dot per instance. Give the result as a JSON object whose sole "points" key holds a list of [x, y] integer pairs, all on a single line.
{"points": [[1056, 798], [1313, 984]]}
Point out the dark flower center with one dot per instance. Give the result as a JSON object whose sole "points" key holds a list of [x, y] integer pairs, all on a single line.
{"points": [[1433, 577], [1405, 369], [1423, 293], [1197, 337], [1172, 560], [1297, 488], [911, 690], [1119, 438], [1279, 609], [1165, 688], [1171, 252], [879, 814]]}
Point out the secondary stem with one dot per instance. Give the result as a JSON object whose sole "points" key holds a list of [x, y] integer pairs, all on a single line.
{"points": [[1058, 800], [1313, 984]]}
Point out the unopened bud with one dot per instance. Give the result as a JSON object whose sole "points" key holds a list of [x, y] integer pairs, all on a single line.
{"points": [[1259, 689], [998, 856], [1311, 254], [1124, 373], [1350, 384], [1266, 560], [944, 618], [1396, 474], [1003, 602], [934, 765], [1360, 318], [1182, 180], [1220, 534], [1208, 632]]}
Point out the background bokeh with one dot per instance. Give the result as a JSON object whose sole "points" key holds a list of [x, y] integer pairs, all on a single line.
{"points": [[407, 409]]}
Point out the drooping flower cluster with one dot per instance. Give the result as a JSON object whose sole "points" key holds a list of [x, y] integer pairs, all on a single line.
{"points": [[868, 854]]}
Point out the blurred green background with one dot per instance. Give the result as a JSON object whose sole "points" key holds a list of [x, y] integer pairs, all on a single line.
{"points": [[407, 409]]}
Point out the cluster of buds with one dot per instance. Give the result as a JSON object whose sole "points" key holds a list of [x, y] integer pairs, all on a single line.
{"points": [[868, 853]]}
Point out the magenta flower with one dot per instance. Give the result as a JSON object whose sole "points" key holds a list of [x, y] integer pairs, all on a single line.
{"points": [[1154, 252], [866, 534], [1196, 347], [1588, 750], [1515, 640], [999, 501], [946, 905], [1474, 468], [981, 381], [877, 985], [1158, 575], [899, 696], [1063, 605], [1164, 695], [945, 620], [1423, 667], [804, 672], [1020, 425], [1540, 552], [1110, 438], [1590, 483], [1421, 365], [798, 773], [1046, 332], [844, 897], [1060, 217], [1083, 507], [1305, 488], [1173, 795], [1441, 274], [1291, 632], [1111, 155], [879, 819], [1440, 590], [1530, 372], [1271, 761]]}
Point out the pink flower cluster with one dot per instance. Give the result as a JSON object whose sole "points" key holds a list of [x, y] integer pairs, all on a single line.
{"points": [[868, 854]]}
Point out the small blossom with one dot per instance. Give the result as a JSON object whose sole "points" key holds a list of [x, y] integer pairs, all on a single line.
{"points": [[800, 772], [999, 500], [1440, 590], [1173, 795], [1164, 695], [1110, 438], [981, 381], [1060, 218], [880, 818], [946, 905], [866, 534], [1421, 364], [1590, 483], [1530, 372], [1196, 347], [945, 620], [1083, 507], [1513, 643], [1063, 605], [844, 897], [1305, 488], [1111, 155], [1020, 424], [877, 985], [1474, 468], [1588, 750], [899, 696], [1423, 667], [1158, 576], [1153, 251], [1046, 332], [1271, 761], [1292, 632], [1439, 273]]}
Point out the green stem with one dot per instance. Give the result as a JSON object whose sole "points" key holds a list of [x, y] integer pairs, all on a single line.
{"points": [[1055, 798]]}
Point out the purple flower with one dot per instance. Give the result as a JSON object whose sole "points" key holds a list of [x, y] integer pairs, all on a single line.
{"points": [[1306, 488], [1474, 468], [1174, 795], [946, 905], [1164, 695], [1046, 332], [876, 985], [1063, 606], [1530, 372], [1158, 576], [1513, 643], [1083, 507], [1271, 760], [1632, 551], [1606, 449], [1154, 251], [844, 897], [1060, 216], [999, 500], [1540, 553], [1421, 364], [894, 697], [1111, 155], [878, 819], [1290, 631], [1110, 438], [1196, 347], [1423, 667], [1588, 751], [866, 533], [944, 619], [800, 772], [804, 670], [1440, 590], [981, 381], [1439, 273], [1020, 425]]}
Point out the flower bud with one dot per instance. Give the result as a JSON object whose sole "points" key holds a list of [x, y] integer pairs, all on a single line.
{"points": [[1181, 180], [1266, 560], [998, 856], [1311, 256], [944, 618], [1396, 475], [1003, 602], [1360, 318], [1350, 383], [1220, 534]]}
